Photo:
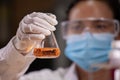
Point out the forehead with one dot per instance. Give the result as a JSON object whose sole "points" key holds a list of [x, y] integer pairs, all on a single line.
{"points": [[90, 9]]}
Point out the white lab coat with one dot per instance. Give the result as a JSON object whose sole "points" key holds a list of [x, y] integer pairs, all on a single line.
{"points": [[13, 65], [47, 74]]}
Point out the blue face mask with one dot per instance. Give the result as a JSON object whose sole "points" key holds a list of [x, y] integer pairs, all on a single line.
{"points": [[87, 49]]}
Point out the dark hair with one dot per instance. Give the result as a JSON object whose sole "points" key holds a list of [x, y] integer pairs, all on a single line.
{"points": [[113, 4]]}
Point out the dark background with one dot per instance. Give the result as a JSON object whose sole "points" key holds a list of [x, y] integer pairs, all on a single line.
{"points": [[11, 13]]}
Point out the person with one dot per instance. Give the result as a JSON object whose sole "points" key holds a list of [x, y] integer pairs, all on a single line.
{"points": [[89, 32]]}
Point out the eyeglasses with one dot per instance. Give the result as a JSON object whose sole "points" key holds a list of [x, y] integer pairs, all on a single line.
{"points": [[93, 25]]}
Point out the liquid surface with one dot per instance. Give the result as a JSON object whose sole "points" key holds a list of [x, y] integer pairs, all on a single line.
{"points": [[46, 52]]}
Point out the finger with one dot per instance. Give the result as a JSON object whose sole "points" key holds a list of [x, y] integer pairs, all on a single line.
{"points": [[35, 37], [24, 27], [50, 18], [23, 36], [51, 15], [34, 14], [34, 29], [27, 19], [43, 23]]}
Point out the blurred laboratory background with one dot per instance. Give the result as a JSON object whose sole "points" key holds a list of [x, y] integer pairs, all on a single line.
{"points": [[11, 13]]}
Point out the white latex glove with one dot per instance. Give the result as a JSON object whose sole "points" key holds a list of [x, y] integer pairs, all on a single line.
{"points": [[33, 28]]}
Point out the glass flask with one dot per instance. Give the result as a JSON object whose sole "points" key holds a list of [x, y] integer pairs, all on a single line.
{"points": [[49, 48]]}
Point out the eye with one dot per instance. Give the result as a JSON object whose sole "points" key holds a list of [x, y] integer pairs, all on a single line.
{"points": [[76, 26], [101, 27]]}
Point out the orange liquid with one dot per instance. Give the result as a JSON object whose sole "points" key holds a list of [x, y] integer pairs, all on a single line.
{"points": [[46, 52]]}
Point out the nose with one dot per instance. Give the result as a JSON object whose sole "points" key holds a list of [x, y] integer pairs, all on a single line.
{"points": [[86, 29], [87, 34]]}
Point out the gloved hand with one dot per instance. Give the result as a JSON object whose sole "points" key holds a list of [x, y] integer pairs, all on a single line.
{"points": [[32, 29], [114, 55]]}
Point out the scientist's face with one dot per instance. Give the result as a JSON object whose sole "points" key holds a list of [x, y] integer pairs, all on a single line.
{"points": [[77, 48], [90, 9]]}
